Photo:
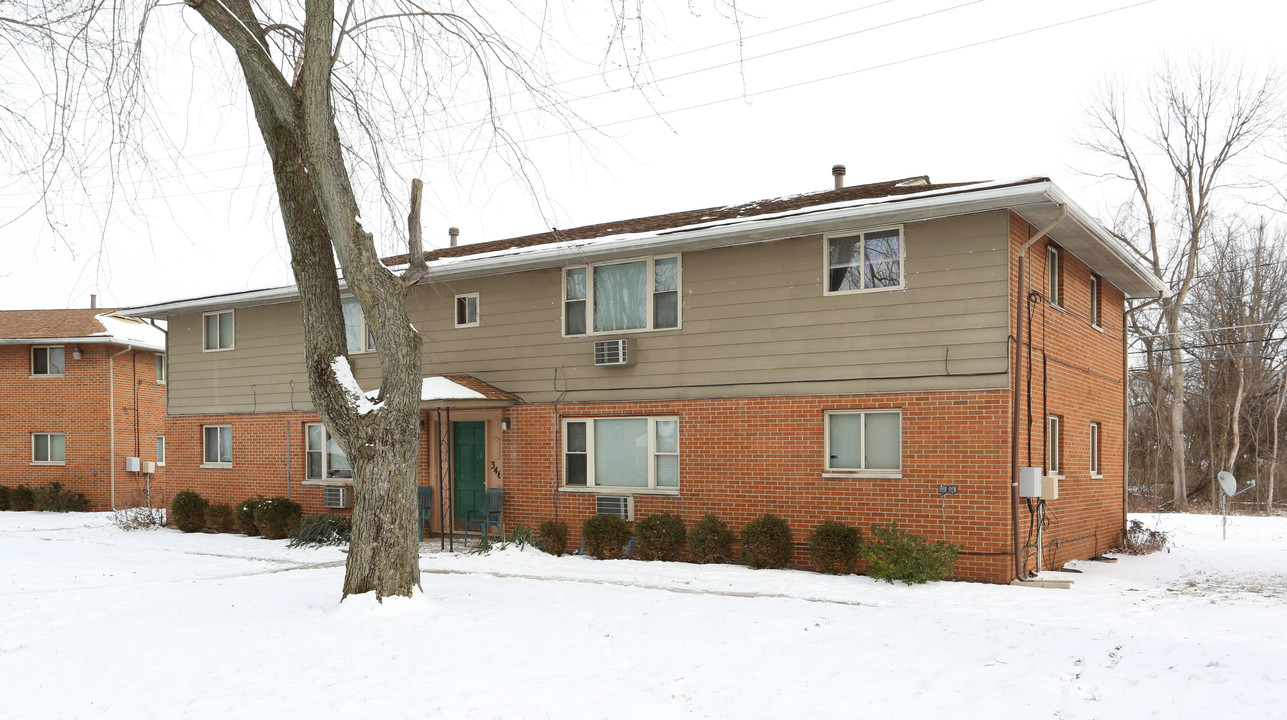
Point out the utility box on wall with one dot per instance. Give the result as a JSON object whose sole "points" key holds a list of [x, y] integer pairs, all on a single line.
{"points": [[131, 464], [1030, 482], [1050, 488]]}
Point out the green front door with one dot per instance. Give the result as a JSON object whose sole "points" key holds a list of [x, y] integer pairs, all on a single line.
{"points": [[468, 473]]}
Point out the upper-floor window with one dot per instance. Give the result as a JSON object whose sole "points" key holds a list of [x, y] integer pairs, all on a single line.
{"points": [[161, 369], [1054, 445], [864, 441], [1054, 276], [48, 448], [1094, 301], [869, 260], [47, 360], [467, 310], [357, 336], [217, 443], [621, 452], [323, 457], [621, 296], [218, 330]]}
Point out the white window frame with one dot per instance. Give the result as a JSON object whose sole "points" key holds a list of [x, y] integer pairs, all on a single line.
{"points": [[162, 369], [326, 469], [1096, 441], [1095, 320], [1054, 276], [829, 471], [205, 339], [651, 284], [466, 297], [1054, 445], [48, 348], [592, 486], [160, 449], [368, 342], [48, 443], [221, 463], [862, 235]]}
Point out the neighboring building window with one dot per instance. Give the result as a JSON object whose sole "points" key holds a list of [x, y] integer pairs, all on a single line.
{"points": [[870, 260], [1094, 449], [357, 336], [1094, 301], [160, 450], [1054, 278], [467, 310], [323, 457], [627, 453], [621, 296], [218, 330], [1054, 445], [48, 448], [862, 441], [218, 444], [47, 360], [161, 369]]}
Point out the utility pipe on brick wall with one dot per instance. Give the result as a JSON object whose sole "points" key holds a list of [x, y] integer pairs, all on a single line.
{"points": [[111, 421], [1021, 303]]}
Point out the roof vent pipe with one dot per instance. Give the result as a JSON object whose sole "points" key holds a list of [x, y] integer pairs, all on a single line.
{"points": [[93, 302], [454, 233], [838, 172]]}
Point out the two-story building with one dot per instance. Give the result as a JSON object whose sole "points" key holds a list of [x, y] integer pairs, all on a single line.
{"points": [[80, 391], [848, 354]]}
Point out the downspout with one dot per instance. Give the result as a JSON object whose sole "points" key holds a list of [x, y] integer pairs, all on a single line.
{"points": [[111, 422], [1021, 304]]}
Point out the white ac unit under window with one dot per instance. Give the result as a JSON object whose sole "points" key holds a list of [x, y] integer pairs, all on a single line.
{"points": [[613, 352], [623, 506], [335, 497]]}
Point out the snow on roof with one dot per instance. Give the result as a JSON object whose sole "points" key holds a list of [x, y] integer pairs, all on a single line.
{"points": [[130, 331], [440, 388]]}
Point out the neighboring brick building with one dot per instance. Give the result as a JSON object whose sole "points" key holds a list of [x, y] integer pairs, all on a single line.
{"points": [[80, 391], [847, 354]]}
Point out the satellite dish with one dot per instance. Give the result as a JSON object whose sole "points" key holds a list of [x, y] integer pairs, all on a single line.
{"points": [[1227, 482]]}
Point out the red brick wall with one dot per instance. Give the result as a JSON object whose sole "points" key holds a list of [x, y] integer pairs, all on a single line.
{"points": [[77, 406]]}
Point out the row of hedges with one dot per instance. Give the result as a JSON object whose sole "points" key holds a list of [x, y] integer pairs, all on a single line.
{"points": [[274, 518], [892, 554], [50, 497]]}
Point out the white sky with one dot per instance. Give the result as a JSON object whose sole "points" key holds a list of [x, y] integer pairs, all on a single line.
{"points": [[948, 95]]}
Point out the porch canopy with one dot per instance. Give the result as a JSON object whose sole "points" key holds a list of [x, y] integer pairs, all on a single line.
{"points": [[462, 391]]}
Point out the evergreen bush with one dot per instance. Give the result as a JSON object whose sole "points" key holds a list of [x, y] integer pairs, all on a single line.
{"points": [[4, 497], [710, 540], [660, 537], [605, 536], [834, 546], [277, 518], [767, 542], [221, 518], [552, 537], [896, 554], [318, 530], [245, 515], [22, 498], [53, 497], [188, 511]]}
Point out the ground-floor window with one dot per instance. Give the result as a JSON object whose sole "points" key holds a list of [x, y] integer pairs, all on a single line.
{"points": [[160, 449], [1054, 445], [325, 459], [628, 453], [48, 448], [218, 445], [864, 441], [1094, 449]]}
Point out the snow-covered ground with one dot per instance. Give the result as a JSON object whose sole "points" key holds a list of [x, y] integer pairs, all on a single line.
{"points": [[96, 622]]}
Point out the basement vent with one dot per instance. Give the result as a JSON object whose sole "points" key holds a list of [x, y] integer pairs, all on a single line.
{"points": [[623, 506], [613, 352], [335, 497]]}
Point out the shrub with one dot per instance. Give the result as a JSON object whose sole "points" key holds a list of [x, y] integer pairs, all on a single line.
{"points": [[221, 518], [53, 497], [4, 497], [833, 547], [22, 498], [710, 540], [660, 537], [245, 515], [1140, 540], [188, 511], [318, 530], [139, 518], [277, 518], [552, 537], [605, 536], [767, 542], [896, 554]]}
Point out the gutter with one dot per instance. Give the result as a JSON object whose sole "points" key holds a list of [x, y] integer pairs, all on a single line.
{"points": [[111, 420]]}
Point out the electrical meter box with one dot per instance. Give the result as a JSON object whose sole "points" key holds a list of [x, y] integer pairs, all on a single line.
{"points": [[1050, 488], [131, 464], [1030, 482]]}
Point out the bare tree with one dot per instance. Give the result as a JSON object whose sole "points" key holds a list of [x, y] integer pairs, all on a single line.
{"points": [[330, 91]]}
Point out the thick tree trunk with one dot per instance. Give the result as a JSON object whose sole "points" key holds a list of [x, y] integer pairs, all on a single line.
{"points": [[1178, 487]]}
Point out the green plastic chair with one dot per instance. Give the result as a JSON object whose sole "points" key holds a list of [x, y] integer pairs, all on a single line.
{"points": [[425, 495], [489, 516]]}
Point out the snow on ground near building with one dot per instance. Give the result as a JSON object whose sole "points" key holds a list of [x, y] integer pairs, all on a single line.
{"points": [[96, 622]]}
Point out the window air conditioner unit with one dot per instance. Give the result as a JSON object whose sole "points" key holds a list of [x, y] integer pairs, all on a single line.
{"points": [[335, 497], [623, 506], [613, 352]]}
